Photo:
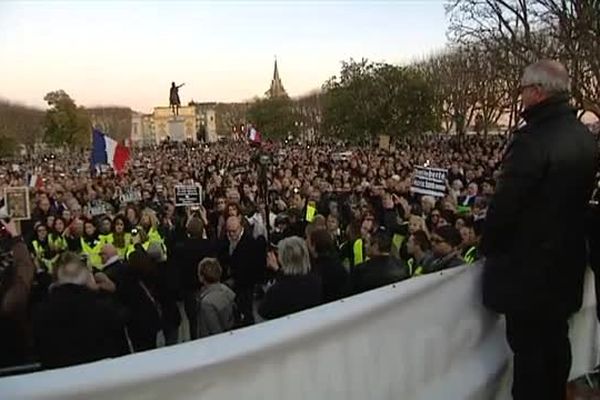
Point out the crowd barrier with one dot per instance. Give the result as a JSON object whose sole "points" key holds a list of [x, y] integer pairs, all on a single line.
{"points": [[427, 338]]}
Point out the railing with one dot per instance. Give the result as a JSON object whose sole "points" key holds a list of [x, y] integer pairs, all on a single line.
{"points": [[427, 338]]}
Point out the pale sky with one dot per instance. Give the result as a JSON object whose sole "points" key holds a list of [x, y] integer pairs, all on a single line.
{"points": [[127, 53]]}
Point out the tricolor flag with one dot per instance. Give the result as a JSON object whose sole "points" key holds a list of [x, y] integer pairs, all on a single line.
{"points": [[35, 181], [254, 135], [108, 151]]}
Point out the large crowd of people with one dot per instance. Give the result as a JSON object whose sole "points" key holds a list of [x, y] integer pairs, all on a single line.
{"points": [[108, 263]]}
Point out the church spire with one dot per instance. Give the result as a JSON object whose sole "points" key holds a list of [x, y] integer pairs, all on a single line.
{"points": [[276, 89]]}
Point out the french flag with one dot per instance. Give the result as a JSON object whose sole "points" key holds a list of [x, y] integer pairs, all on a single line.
{"points": [[108, 151], [254, 135]]}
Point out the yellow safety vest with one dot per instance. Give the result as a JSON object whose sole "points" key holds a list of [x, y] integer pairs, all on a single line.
{"points": [[40, 255], [131, 248], [397, 242], [104, 238], [414, 270], [471, 255], [311, 211], [58, 242], [154, 236], [357, 251], [110, 239], [93, 253]]}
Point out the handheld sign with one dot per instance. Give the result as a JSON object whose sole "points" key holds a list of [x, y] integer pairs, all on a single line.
{"points": [[429, 181], [188, 195], [131, 197], [384, 142], [98, 209], [16, 201]]}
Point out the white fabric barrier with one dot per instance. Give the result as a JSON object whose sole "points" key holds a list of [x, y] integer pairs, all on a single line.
{"points": [[427, 338]]}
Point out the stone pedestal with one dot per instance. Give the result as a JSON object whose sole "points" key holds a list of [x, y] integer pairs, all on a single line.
{"points": [[176, 128]]}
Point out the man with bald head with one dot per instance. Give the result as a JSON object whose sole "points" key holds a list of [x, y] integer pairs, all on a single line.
{"points": [[244, 259], [534, 235]]}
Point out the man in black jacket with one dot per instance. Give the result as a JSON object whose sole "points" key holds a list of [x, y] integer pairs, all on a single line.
{"points": [[187, 257], [534, 237], [244, 258], [381, 269], [77, 323]]}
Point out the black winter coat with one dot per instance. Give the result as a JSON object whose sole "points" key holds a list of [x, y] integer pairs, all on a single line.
{"points": [[335, 278], [377, 272], [77, 325], [186, 259], [290, 294], [534, 236], [246, 265]]}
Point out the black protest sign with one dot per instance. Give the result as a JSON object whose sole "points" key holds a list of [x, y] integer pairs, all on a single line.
{"points": [[188, 195]]}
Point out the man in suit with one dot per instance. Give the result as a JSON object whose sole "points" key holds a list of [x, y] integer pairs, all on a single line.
{"points": [[244, 258], [534, 235]]}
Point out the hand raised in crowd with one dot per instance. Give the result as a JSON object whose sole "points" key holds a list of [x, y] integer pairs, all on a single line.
{"points": [[10, 227], [272, 262], [103, 282]]}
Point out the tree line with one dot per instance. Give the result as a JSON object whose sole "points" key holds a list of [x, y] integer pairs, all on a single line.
{"points": [[473, 82]]}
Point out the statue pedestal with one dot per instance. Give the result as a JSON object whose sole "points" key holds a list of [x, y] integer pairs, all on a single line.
{"points": [[176, 128]]}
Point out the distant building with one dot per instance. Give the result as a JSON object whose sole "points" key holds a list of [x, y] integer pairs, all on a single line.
{"points": [[276, 89], [206, 117], [176, 128]]}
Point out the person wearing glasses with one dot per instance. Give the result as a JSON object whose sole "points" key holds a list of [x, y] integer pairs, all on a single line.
{"points": [[534, 235]]}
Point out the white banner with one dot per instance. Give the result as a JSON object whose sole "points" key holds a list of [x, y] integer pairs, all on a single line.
{"points": [[423, 339]]}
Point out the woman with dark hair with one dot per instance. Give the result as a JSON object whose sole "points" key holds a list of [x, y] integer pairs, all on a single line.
{"points": [[56, 238], [43, 253], [326, 263], [119, 237], [133, 217]]}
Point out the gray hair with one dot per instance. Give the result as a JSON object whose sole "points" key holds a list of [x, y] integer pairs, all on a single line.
{"points": [[72, 270], [549, 75], [293, 256]]}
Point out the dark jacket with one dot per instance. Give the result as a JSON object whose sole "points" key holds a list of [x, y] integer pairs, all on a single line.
{"points": [[290, 294], [377, 272], [142, 306], [187, 258], [77, 325], [534, 232], [15, 290], [246, 265], [333, 275], [451, 260]]}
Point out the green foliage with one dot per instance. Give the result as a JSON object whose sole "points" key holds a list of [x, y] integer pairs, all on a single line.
{"points": [[8, 146], [20, 124], [369, 99], [66, 124], [274, 117]]}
